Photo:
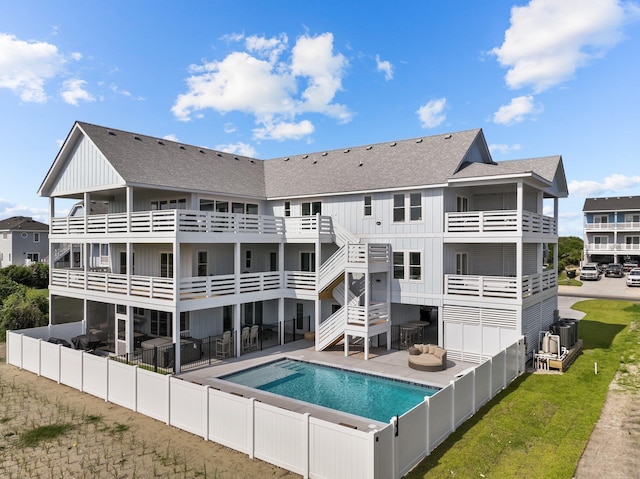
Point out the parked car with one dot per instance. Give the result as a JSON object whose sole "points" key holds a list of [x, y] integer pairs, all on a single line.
{"points": [[614, 270], [629, 265], [633, 278], [590, 271]]}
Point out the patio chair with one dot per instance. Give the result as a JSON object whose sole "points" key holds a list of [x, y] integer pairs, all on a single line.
{"points": [[254, 337], [246, 344], [223, 345]]}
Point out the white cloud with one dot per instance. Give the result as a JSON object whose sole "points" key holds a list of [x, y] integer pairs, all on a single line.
{"points": [[516, 111], [504, 149], [385, 67], [257, 82], [548, 40], [25, 67], [74, 91], [9, 209], [77, 56], [612, 184], [284, 131], [431, 114], [171, 137], [239, 148], [229, 128]]}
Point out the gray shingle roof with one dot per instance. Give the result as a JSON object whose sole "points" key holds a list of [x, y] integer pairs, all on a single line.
{"points": [[142, 159], [398, 164], [22, 223], [545, 167], [619, 203]]}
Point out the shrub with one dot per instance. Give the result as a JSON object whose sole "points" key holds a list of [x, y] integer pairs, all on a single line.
{"points": [[7, 288], [20, 312]]}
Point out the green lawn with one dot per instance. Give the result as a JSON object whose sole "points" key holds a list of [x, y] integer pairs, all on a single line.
{"points": [[539, 426]]}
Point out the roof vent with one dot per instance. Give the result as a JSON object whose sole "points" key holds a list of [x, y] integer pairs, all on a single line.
{"points": [[393, 144], [252, 161], [305, 157], [347, 150], [236, 158], [419, 140], [315, 161], [219, 154], [160, 142], [137, 138], [369, 147], [111, 133], [286, 159], [360, 164], [201, 151], [325, 154], [182, 147], [448, 136]]}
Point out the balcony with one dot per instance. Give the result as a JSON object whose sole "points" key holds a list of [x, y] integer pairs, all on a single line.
{"points": [[611, 248], [500, 286], [198, 287], [625, 226], [500, 221], [186, 221]]}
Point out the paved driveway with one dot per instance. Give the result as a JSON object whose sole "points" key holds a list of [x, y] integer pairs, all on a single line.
{"points": [[605, 288]]}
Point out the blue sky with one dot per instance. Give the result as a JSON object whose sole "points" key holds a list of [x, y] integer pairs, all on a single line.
{"points": [[276, 78]]}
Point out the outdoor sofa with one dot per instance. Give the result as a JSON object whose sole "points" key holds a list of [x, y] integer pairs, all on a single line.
{"points": [[427, 357]]}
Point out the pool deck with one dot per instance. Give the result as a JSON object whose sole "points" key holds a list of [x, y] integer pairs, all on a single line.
{"points": [[392, 364]]}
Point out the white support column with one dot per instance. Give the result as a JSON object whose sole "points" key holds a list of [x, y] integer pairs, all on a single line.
{"points": [[236, 327], [129, 332], [519, 259], [237, 266], [367, 301], [317, 309], [129, 206], [176, 308], [281, 299], [87, 210], [555, 248], [52, 214]]}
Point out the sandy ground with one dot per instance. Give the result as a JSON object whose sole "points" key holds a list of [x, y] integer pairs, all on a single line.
{"points": [[102, 440]]}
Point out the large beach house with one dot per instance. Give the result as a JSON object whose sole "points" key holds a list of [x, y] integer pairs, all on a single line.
{"points": [[348, 244]]}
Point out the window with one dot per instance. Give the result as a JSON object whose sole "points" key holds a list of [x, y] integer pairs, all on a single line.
{"points": [[36, 237], [253, 313], [398, 208], [166, 265], [462, 263], [398, 265], [104, 254], [299, 316], [252, 209], [207, 205], [121, 309], [4, 235], [123, 263], [273, 261], [237, 208], [222, 206], [415, 206], [202, 263], [462, 204], [138, 312], [415, 265], [175, 204], [601, 219], [407, 265], [185, 323], [632, 241], [367, 205], [632, 218], [312, 209], [307, 261], [287, 208], [247, 259], [603, 240], [33, 257], [161, 323], [122, 328]]}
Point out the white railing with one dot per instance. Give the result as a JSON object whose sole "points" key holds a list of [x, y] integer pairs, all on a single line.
{"points": [[343, 236], [356, 315], [298, 442], [627, 225], [332, 268], [499, 221], [300, 280], [331, 329], [612, 247], [500, 286], [171, 221], [307, 226]]}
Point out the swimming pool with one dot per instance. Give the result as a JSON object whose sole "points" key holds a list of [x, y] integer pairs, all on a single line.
{"points": [[365, 395]]}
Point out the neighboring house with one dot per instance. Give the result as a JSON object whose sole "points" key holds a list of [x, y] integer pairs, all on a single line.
{"points": [[344, 243], [611, 229], [23, 241]]}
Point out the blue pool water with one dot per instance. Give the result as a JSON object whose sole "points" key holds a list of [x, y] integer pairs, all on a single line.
{"points": [[373, 397]]}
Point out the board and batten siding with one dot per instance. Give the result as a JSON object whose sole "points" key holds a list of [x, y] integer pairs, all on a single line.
{"points": [[537, 318], [86, 169]]}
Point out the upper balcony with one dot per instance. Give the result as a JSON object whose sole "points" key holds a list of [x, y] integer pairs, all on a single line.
{"points": [[500, 221], [624, 226], [171, 222], [507, 287], [611, 248]]}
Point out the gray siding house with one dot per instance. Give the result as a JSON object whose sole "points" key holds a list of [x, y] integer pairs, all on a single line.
{"points": [[354, 245], [23, 241]]}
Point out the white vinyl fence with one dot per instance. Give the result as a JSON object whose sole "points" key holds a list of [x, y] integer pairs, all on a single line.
{"points": [[297, 442]]}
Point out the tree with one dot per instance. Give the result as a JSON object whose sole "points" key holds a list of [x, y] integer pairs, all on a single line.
{"points": [[39, 275], [19, 274], [20, 312], [569, 251], [7, 288]]}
